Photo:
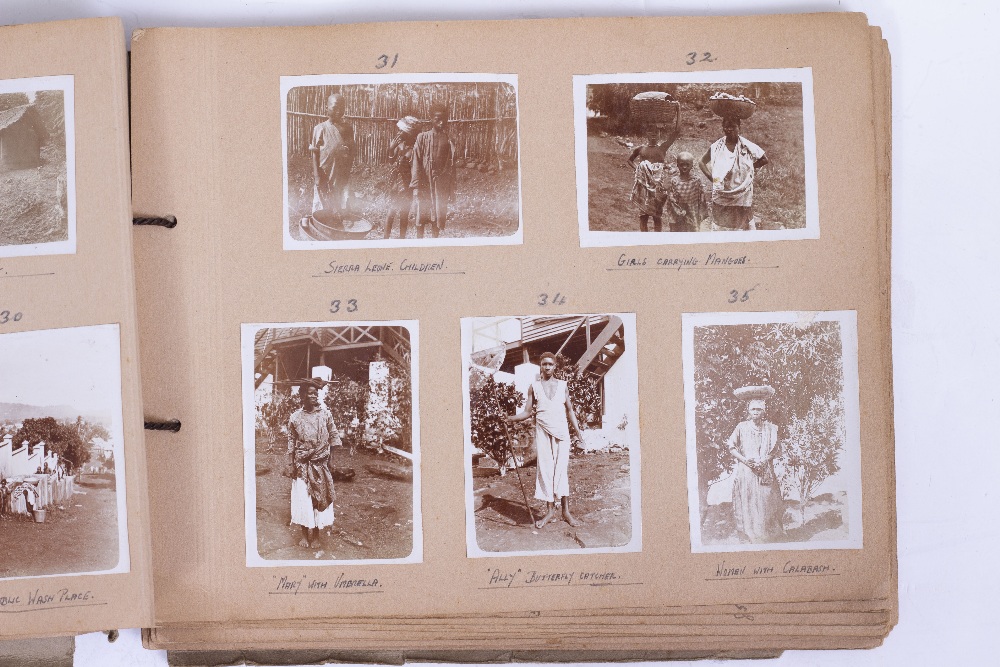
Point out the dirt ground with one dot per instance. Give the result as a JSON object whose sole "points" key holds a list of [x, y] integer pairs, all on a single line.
{"points": [[600, 497], [30, 208], [824, 521], [373, 512], [81, 537], [779, 187], [485, 204]]}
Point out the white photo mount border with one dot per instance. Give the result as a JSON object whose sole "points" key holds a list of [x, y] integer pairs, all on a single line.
{"points": [[590, 238], [630, 360], [247, 338], [65, 84], [850, 398], [287, 83]]}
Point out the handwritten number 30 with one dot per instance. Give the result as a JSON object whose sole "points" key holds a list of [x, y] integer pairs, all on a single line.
{"points": [[693, 58], [6, 316]]}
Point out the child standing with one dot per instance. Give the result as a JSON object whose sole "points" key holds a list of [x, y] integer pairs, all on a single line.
{"points": [[685, 197], [648, 194]]}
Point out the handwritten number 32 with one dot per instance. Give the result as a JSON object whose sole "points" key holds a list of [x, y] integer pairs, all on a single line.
{"points": [[693, 58]]}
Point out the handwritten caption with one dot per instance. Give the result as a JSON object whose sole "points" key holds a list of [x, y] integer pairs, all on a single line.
{"points": [[702, 57], [385, 60], [306, 585], [39, 598], [725, 570], [497, 578], [8, 316], [347, 305], [546, 299], [405, 267], [627, 262]]}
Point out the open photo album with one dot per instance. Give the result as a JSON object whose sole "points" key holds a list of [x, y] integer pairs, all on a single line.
{"points": [[555, 339]]}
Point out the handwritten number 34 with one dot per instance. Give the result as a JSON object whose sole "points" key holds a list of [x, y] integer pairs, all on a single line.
{"points": [[693, 58]]}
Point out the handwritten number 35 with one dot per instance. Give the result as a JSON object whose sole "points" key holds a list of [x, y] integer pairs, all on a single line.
{"points": [[693, 58]]}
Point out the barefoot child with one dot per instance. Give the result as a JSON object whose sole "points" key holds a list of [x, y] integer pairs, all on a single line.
{"points": [[685, 197], [548, 400], [311, 434], [648, 194]]}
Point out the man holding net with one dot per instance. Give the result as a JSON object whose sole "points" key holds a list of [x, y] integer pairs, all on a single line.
{"points": [[548, 401]]}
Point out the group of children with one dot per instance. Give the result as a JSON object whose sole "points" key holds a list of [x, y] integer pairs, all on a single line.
{"points": [[682, 194]]}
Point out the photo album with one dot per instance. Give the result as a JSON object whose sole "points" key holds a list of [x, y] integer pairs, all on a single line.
{"points": [[537, 339]]}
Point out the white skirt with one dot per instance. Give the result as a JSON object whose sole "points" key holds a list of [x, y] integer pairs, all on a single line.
{"points": [[552, 473], [303, 513]]}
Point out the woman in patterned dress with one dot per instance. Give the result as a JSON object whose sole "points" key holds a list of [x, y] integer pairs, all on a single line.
{"points": [[757, 503]]}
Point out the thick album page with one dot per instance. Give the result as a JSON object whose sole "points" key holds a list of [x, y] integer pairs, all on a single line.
{"points": [[75, 553], [458, 326]]}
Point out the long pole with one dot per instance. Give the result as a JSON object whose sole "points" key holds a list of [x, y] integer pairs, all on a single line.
{"points": [[517, 471]]}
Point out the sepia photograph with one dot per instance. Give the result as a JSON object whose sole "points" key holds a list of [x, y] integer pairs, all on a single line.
{"points": [[37, 167], [62, 469], [696, 157], [400, 160], [331, 443], [551, 434], [773, 430]]}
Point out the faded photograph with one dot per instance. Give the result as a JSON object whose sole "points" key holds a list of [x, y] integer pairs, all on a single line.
{"points": [[62, 488], [331, 443], [411, 160], [696, 161], [37, 178], [552, 434], [772, 431]]}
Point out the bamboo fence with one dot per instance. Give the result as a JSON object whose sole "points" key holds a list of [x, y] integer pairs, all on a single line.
{"points": [[482, 117]]}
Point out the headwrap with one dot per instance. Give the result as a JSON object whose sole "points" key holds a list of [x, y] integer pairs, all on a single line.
{"points": [[407, 124]]}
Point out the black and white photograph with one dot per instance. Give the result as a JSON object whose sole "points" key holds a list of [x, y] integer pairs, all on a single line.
{"points": [[551, 434], [331, 443], [400, 160], [62, 469], [697, 157], [773, 430], [37, 167]]}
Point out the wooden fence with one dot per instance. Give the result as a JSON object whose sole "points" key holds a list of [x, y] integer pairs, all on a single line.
{"points": [[482, 117]]}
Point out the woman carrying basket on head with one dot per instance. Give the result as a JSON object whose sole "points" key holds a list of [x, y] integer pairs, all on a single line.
{"points": [[757, 502], [731, 163]]}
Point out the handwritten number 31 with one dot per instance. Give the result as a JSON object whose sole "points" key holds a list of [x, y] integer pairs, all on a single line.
{"points": [[693, 58], [383, 61]]}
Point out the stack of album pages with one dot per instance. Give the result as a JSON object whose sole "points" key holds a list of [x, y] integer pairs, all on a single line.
{"points": [[549, 339]]}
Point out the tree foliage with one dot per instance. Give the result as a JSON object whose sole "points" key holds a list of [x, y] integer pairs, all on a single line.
{"points": [[348, 400], [11, 100], [584, 392], [63, 439], [801, 362], [810, 453], [489, 402]]}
